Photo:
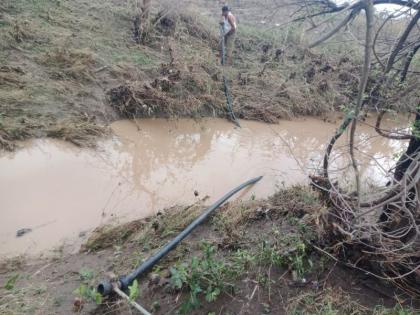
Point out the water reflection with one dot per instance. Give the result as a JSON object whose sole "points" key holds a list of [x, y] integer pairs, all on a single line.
{"points": [[153, 164]]}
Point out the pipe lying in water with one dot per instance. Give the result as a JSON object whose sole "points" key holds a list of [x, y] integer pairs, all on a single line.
{"points": [[106, 287]]}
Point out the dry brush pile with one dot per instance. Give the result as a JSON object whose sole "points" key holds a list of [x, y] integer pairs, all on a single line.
{"points": [[273, 77], [177, 90]]}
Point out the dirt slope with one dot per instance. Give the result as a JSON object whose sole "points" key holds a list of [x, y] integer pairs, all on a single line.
{"points": [[68, 68]]}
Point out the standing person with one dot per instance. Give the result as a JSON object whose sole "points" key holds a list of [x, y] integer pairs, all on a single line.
{"points": [[229, 26]]}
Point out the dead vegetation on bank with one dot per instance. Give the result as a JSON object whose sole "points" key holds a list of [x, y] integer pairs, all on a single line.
{"points": [[178, 91], [267, 83]]}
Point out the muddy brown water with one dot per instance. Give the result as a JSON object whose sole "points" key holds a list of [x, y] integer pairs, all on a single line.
{"points": [[61, 192]]}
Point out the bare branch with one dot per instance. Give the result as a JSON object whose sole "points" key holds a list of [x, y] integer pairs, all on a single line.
{"points": [[362, 88], [328, 7], [346, 20], [407, 62], [387, 135], [400, 44]]}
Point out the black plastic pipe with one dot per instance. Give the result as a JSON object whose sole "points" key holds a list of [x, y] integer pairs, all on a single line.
{"points": [[225, 82], [222, 43], [105, 287]]}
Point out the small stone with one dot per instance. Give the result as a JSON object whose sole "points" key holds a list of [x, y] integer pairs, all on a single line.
{"points": [[164, 282], [315, 285], [78, 305], [196, 193], [22, 232], [112, 276], [154, 278]]}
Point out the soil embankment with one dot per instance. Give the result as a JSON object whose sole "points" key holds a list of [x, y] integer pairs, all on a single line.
{"points": [[70, 68], [251, 257]]}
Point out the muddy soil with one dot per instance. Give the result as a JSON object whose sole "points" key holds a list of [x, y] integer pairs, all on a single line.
{"points": [[48, 286]]}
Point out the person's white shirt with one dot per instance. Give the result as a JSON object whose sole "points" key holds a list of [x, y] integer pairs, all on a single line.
{"points": [[227, 26]]}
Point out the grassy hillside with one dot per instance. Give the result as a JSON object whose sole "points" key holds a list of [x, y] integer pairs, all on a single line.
{"points": [[52, 78], [68, 68]]}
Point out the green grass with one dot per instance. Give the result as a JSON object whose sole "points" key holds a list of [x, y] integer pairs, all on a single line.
{"points": [[135, 57], [100, 26], [59, 45], [204, 277]]}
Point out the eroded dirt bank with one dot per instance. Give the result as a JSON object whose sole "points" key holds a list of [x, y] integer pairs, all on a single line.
{"points": [[251, 257]]}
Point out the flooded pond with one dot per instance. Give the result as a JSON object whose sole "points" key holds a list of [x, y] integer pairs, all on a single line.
{"points": [[61, 192]]}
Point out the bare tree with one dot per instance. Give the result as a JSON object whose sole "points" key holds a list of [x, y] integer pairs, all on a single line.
{"points": [[392, 241]]}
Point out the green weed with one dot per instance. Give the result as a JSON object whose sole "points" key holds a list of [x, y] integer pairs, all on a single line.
{"points": [[134, 57], [11, 282], [134, 290], [155, 306], [88, 293], [204, 276], [85, 290], [295, 258], [85, 274], [335, 302], [396, 310]]}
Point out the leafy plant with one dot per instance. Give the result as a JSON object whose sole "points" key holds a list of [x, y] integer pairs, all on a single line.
{"points": [[155, 306], [85, 274], [85, 291], [134, 290], [10, 283], [243, 260], [295, 258], [88, 293], [203, 276]]}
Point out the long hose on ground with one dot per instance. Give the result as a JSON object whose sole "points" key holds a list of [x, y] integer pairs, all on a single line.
{"points": [[106, 287], [225, 81]]}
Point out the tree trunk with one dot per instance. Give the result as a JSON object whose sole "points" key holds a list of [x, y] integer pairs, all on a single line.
{"points": [[402, 40], [407, 62], [412, 150]]}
